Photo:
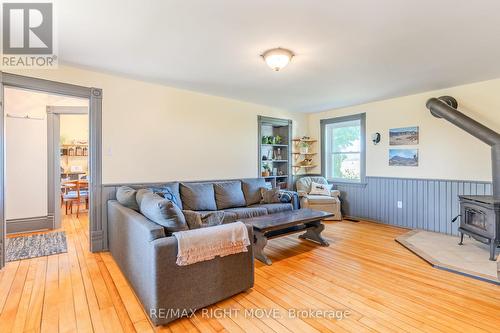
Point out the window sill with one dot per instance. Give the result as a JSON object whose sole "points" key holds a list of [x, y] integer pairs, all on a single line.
{"points": [[340, 182]]}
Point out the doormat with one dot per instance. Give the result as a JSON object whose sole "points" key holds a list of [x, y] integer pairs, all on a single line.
{"points": [[39, 245]]}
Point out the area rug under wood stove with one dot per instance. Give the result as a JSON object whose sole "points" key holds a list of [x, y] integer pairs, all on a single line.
{"points": [[443, 252], [39, 245]]}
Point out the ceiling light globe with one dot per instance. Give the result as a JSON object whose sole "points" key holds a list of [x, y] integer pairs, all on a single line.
{"points": [[278, 58]]}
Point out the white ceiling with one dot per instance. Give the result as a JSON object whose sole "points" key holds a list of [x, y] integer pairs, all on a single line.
{"points": [[347, 52]]}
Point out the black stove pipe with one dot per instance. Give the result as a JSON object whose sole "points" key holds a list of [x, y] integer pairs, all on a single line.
{"points": [[446, 107]]}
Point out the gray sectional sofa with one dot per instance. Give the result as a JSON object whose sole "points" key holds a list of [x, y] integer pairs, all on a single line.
{"points": [[146, 253]]}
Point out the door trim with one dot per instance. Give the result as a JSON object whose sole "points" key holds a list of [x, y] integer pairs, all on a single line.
{"points": [[97, 232], [52, 161], [3, 226]]}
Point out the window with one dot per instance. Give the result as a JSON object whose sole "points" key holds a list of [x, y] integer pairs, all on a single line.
{"points": [[343, 148]]}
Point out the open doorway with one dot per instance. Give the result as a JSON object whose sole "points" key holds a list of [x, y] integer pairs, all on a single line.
{"points": [[36, 162], [69, 173], [39, 134], [28, 156]]}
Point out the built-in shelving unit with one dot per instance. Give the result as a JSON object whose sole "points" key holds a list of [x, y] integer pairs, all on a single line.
{"points": [[274, 145], [300, 155], [275, 151], [71, 150], [73, 154], [305, 140]]}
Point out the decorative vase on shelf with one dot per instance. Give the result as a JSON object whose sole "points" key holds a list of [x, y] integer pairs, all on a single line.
{"points": [[278, 154], [304, 147], [265, 173]]}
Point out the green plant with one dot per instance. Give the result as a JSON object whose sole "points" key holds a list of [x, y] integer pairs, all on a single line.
{"points": [[277, 139], [304, 144], [266, 167]]}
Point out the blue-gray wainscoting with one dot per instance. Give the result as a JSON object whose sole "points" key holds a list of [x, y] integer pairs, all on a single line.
{"points": [[428, 204]]}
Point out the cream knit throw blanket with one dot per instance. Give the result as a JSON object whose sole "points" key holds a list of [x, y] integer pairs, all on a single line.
{"points": [[206, 243]]}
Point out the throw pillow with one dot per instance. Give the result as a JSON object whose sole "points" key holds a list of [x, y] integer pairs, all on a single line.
{"points": [[196, 220], [140, 195], [320, 189], [229, 195], [127, 197], [251, 190], [285, 197], [164, 212], [198, 196], [270, 196], [169, 191], [166, 193]]}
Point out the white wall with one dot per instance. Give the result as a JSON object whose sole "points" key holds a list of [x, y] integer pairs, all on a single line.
{"points": [[26, 151], [74, 127], [157, 133], [445, 151]]}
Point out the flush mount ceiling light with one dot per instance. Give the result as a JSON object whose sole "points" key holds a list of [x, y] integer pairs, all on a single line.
{"points": [[277, 58]]}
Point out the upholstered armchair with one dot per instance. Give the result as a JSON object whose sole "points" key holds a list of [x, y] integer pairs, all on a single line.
{"points": [[325, 203]]}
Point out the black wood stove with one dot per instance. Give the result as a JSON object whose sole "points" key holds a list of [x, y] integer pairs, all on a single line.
{"points": [[480, 219], [479, 214]]}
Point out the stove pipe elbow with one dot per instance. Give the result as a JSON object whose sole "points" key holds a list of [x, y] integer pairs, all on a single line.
{"points": [[445, 107]]}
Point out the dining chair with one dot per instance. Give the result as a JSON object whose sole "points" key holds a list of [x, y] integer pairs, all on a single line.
{"points": [[66, 186], [79, 190]]}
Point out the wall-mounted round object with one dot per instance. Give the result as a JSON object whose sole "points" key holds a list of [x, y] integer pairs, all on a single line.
{"points": [[376, 138]]}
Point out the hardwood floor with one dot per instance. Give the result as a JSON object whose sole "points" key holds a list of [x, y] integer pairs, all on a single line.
{"points": [[384, 287]]}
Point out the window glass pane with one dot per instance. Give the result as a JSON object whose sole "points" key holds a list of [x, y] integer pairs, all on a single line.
{"points": [[345, 166], [346, 139]]}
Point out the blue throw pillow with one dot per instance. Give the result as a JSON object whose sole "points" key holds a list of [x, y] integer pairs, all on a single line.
{"points": [[285, 197], [166, 193]]}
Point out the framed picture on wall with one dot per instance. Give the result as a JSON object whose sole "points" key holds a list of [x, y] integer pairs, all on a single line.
{"points": [[403, 136], [403, 157]]}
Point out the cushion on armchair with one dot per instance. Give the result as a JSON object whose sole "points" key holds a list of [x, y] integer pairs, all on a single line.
{"points": [[320, 189], [304, 183], [321, 199]]}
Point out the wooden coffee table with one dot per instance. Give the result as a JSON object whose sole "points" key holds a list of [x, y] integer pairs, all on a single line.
{"points": [[285, 223]]}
